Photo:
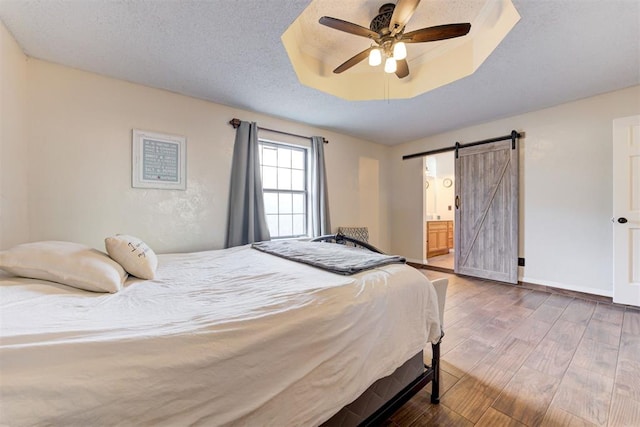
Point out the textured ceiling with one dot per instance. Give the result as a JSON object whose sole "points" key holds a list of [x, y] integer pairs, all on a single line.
{"points": [[230, 52]]}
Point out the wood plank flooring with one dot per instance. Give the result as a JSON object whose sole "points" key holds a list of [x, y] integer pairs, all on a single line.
{"points": [[519, 357], [442, 261]]}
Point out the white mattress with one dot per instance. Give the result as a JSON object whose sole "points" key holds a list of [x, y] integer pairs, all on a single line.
{"points": [[229, 337]]}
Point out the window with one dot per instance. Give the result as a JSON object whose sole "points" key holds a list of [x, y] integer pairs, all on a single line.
{"points": [[284, 181]]}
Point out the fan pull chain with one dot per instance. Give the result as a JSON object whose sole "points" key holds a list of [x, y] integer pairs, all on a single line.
{"points": [[387, 95]]}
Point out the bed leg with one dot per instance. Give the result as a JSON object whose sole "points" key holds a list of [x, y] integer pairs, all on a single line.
{"points": [[435, 363]]}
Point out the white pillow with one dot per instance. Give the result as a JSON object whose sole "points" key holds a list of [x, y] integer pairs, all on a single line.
{"points": [[133, 254], [68, 263]]}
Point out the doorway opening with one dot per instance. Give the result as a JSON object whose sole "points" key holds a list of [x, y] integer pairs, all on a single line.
{"points": [[439, 211], [485, 196]]}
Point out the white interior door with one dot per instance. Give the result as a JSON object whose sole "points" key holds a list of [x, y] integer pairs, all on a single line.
{"points": [[486, 216], [626, 210]]}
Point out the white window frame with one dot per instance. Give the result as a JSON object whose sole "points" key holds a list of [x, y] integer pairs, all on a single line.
{"points": [[305, 192]]}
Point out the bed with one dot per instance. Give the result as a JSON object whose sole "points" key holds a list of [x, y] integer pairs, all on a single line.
{"points": [[224, 337]]}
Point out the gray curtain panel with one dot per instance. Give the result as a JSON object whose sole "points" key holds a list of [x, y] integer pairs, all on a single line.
{"points": [[320, 223], [247, 221]]}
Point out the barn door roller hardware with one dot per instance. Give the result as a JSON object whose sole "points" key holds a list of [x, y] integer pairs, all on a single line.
{"points": [[513, 136]]}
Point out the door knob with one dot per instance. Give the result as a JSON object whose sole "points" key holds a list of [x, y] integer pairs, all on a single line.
{"points": [[622, 220]]}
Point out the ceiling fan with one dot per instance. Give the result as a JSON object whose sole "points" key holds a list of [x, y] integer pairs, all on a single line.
{"points": [[387, 31]]}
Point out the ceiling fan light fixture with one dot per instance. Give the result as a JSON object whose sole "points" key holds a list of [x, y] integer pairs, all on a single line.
{"points": [[313, 53], [375, 57], [399, 51], [390, 66]]}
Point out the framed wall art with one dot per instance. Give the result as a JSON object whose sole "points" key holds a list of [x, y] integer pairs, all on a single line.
{"points": [[159, 161]]}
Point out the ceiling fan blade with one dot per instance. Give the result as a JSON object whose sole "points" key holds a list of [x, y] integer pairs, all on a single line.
{"points": [[348, 27], [353, 61], [439, 32], [401, 15], [402, 68]]}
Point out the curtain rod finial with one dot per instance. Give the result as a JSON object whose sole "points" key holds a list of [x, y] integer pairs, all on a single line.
{"points": [[235, 123]]}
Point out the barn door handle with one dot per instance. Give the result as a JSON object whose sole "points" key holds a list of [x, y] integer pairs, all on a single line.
{"points": [[458, 203], [622, 220]]}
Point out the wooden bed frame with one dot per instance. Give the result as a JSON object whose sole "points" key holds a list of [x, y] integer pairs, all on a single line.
{"points": [[431, 374]]}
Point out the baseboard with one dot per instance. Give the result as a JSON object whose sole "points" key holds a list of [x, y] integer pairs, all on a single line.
{"points": [[541, 285], [565, 287]]}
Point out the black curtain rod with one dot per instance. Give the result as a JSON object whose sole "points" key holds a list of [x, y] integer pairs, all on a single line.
{"points": [[236, 123], [512, 136]]}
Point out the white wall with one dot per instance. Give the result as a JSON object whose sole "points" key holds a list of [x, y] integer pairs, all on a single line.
{"points": [[14, 226], [565, 189], [79, 138]]}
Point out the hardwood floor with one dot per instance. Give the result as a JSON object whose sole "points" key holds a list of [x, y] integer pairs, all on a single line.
{"points": [[519, 357], [442, 261]]}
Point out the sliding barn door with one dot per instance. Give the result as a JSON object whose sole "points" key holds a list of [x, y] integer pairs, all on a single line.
{"points": [[486, 216]]}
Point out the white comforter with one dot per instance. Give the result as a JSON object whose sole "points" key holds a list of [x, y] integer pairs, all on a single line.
{"points": [[229, 337]]}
